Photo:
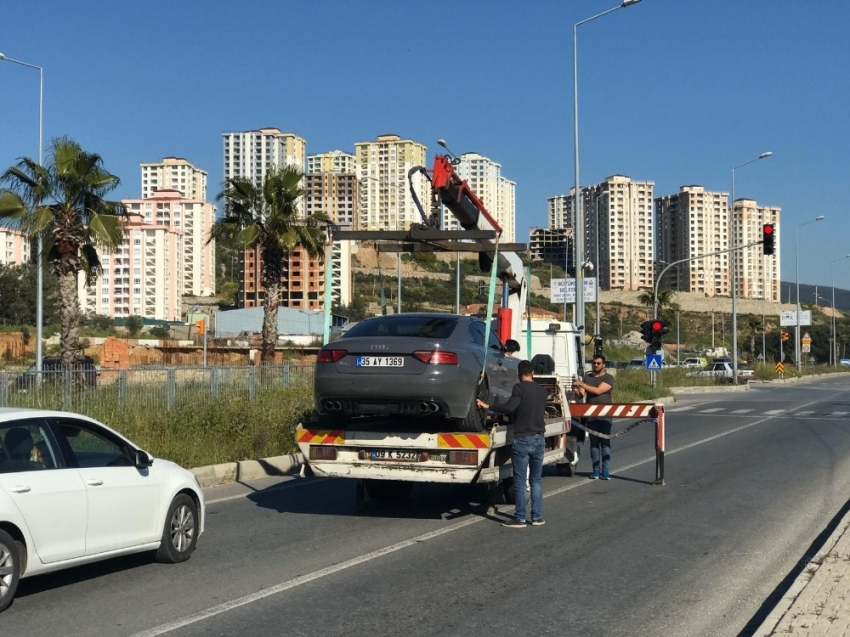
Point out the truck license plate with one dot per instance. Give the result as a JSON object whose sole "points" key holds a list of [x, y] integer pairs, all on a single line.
{"points": [[394, 454], [380, 361]]}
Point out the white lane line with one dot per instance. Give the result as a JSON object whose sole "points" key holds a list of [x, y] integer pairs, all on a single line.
{"points": [[686, 408], [803, 413], [278, 487], [742, 411], [775, 412], [711, 411], [840, 413], [309, 577]]}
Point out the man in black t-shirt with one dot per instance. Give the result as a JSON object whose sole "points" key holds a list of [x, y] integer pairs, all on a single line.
{"points": [[528, 404], [596, 387]]}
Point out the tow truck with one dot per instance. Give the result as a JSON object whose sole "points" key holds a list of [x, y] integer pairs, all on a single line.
{"points": [[385, 456]]}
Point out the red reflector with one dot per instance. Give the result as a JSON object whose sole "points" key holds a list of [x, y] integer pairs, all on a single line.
{"points": [[330, 355], [323, 452], [437, 357], [463, 457]]}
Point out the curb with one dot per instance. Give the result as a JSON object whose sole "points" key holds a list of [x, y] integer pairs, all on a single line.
{"points": [[227, 472], [772, 621]]}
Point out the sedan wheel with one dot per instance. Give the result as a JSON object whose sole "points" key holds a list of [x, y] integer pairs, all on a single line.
{"points": [[10, 569], [180, 533]]}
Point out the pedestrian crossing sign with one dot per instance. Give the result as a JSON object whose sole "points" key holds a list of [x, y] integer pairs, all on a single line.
{"points": [[653, 362]]}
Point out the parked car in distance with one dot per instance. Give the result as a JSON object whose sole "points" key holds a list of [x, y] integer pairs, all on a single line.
{"points": [[419, 365], [73, 491], [694, 362], [844, 362], [722, 371], [52, 373], [636, 363]]}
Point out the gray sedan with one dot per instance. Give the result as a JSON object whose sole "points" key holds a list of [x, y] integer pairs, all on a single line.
{"points": [[418, 366]]}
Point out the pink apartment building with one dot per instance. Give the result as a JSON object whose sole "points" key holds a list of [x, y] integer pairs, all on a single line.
{"points": [[14, 248], [164, 256]]}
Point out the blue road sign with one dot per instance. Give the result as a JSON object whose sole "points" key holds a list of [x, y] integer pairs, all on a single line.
{"points": [[653, 362]]}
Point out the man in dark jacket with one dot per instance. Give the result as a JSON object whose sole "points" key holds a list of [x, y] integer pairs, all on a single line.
{"points": [[528, 405]]}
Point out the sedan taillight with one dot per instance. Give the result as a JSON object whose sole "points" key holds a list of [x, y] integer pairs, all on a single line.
{"points": [[330, 355], [437, 357]]}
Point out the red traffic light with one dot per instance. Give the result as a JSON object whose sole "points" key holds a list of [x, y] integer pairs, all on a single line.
{"points": [[768, 228], [656, 326]]}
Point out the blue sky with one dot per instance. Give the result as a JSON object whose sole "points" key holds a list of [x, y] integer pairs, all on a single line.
{"points": [[674, 91]]}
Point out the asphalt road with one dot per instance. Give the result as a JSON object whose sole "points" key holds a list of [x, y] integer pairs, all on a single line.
{"points": [[753, 478]]}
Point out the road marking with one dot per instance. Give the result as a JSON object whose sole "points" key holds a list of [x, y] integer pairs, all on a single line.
{"points": [[775, 412], [368, 557], [840, 413], [277, 487], [742, 411], [803, 413], [711, 411]]}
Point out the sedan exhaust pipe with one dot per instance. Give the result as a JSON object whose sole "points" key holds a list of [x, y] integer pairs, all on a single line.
{"points": [[332, 405]]}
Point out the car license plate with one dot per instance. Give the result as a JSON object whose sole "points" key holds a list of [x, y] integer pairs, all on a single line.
{"points": [[394, 454], [380, 361]]}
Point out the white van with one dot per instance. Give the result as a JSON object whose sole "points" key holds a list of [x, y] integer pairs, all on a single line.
{"points": [[694, 362]]}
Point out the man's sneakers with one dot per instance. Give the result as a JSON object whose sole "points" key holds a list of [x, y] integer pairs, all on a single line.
{"points": [[605, 475], [539, 522], [513, 523], [595, 475]]}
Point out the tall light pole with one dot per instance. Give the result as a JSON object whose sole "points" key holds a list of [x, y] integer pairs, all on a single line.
{"points": [[833, 358], [734, 268], [797, 278], [39, 268], [578, 247], [598, 268]]}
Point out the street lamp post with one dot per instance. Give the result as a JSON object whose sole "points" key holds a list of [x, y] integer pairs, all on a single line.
{"points": [[734, 268], [598, 269], [797, 278], [39, 269], [832, 350], [578, 248]]}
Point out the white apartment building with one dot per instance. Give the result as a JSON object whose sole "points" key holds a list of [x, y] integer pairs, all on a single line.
{"points": [[251, 154], [164, 256], [174, 173], [757, 274], [690, 223], [485, 179], [335, 161], [15, 247], [382, 167], [618, 227]]}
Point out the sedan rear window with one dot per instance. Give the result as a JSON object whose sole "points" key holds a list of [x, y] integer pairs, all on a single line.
{"points": [[407, 326]]}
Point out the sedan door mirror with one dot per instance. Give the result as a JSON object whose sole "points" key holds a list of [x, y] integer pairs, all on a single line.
{"points": [[143, 459]]}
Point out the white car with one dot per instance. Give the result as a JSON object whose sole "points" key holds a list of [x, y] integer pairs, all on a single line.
{"points": [[722, 370], [73, 491]]}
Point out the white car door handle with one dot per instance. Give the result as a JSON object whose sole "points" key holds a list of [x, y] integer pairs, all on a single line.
{"points": [[94, 483], [20, 488]]}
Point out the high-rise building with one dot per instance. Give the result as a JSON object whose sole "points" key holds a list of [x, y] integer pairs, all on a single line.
{"points": [[619, 227], [691, 223], [15, 247], [164, 256], [382, 167], [335, 161], [757, 275], [174, 173], [302, 283], [559, 212], [498, 193], [552, 246], [250, 154]]}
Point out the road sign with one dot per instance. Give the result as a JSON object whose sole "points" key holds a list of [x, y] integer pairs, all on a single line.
{"points": [[786, 319], [653, 362], [564, 290], [780, 368], [806, 348], [806, 340]]}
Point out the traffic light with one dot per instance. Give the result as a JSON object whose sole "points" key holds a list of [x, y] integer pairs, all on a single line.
{"points": [[201, 325], [768, 238], [784, 335], [646, 331], [658, 328]]}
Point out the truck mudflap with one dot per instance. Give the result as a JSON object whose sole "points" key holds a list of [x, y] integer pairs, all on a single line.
{"points": [[448, 457]]}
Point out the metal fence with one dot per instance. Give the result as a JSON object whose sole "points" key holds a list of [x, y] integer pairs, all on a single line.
{"points": [[163, 388]]}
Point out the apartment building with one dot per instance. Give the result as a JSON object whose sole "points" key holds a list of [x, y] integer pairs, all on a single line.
{"points": [[553, 246], [693, 222], [14, 247], [335, 161], [164, 256], [619, 230], [302, 283], [757, 274], [382, 167], [498, 193], [559, 212], [250, 154], [174, 173]]}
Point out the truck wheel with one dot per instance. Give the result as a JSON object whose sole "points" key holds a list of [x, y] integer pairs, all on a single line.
{"points": [[10, 569], [505, 493], [565, 469], [388, 490]]}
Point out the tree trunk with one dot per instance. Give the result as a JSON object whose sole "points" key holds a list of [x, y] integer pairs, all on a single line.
{"points": [[69, 319], [271, 303]]}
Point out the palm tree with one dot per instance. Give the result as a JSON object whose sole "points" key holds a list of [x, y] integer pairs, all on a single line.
{"points": [[266, 218], [665, 298], [63, 202]]}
